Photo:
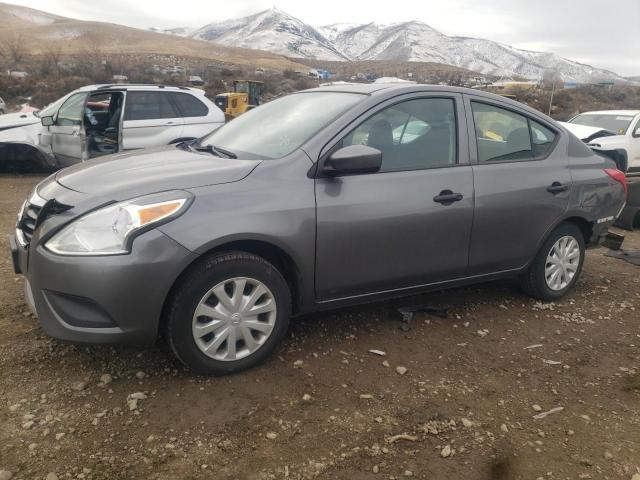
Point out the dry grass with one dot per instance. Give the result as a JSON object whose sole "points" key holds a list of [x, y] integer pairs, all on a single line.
{"points": [[391, 68], [71, 36]]}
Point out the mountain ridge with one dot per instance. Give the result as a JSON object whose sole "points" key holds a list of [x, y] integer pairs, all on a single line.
{"points": [[276, 31]]}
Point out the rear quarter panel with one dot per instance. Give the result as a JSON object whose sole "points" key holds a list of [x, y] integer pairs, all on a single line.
{"points": [[595, 196]]}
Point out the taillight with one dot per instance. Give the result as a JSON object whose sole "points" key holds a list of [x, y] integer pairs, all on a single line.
{"points": [[619, 177]]}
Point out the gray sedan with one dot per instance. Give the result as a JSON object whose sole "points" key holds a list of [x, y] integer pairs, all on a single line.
{"points": [[328, 197]]}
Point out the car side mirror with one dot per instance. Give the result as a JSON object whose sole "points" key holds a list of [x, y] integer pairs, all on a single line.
{"points": [[353, 159], [637, 132], [47, 121]]}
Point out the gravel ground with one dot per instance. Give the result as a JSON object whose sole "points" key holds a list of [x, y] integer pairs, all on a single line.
{"points": [[504, 387]]}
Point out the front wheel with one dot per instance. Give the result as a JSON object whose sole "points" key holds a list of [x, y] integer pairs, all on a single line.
{"points": [[557, 265], [228, 313]]}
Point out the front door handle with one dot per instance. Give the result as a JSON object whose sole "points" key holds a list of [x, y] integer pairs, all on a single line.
{"points": [[557, 187], [447, 197]]}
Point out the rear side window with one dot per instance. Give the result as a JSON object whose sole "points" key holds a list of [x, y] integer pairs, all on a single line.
{"points": [[149, 106], [542, 139], [415, 134], [189, 105], [503, 135]]}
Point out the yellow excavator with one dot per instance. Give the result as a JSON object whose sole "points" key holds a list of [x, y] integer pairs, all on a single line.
{"points": [[245, 96]]}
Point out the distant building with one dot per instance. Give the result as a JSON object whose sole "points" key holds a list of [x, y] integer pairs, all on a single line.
{"points": [[338, 82], [514, 83], [392, 80], [174, 70], [196, 80], [320, 73], [18, 75]]}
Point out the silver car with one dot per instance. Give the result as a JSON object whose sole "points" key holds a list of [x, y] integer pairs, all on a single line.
{"points": [[328, 197]]}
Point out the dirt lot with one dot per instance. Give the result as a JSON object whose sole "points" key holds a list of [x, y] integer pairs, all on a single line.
{"points": [[324, 407]]}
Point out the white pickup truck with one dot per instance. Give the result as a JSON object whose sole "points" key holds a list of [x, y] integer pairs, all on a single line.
{"points": [[610, 130]]}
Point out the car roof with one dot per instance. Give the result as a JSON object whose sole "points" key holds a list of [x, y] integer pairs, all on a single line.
{"points": [[135, 86], [392, 89], [612, 112]]}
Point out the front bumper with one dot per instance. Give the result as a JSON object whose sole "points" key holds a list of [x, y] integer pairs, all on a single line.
{"points": [[102, 299]]}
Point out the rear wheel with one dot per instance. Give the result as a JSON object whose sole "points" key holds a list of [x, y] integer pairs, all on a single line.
{"points": [[557, 266], [228, 313]]}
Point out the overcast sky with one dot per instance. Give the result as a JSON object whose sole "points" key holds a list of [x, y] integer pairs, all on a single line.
{"points": [[602, 33]]}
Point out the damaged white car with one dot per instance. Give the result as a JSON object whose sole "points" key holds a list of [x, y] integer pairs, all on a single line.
{"points": [[610, 130], [99, 120]]}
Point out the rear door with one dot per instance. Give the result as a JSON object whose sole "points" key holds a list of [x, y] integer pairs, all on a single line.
{"points": [[522, 184], [150, 120], [68, 139], [391, 230], [196, 115]]}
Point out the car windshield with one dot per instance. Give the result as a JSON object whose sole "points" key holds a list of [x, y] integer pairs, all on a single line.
{"points": [[277, 128], [51, 109], [618, 124]]}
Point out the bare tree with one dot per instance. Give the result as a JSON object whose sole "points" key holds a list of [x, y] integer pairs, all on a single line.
{"points": [[92, 55], [53, 54], [50, 60], [14, 52]]}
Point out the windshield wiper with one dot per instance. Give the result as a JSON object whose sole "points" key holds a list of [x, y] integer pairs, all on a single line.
{"points": [[217, 151]]}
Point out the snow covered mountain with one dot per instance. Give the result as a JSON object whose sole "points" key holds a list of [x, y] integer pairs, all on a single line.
{"points": [[272, 30], [416, 41], [179, 31], [276, 31]]}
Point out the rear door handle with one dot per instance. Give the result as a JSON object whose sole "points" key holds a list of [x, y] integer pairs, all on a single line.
{"points": [[557, 187], [447, 197]]}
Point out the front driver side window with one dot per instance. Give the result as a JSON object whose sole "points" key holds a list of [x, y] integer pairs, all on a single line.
{"points": [[70, 113], [414, 134]]}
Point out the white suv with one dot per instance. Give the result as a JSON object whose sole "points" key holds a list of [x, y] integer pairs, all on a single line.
{"points": [[610, 129], [102, 119]]}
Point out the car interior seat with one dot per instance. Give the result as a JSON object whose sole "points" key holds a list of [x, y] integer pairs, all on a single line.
{"points": [[518, 143], [380, 136], [106, 142]]}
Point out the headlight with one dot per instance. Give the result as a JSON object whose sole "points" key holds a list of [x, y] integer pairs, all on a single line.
{"points": [[108, 231]]}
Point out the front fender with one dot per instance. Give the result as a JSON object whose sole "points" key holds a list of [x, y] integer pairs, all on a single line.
{"points": [[29, 136]]}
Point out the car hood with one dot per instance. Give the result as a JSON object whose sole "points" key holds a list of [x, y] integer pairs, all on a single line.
{"points": [[12, 120], [131, 174], [586, 133]]}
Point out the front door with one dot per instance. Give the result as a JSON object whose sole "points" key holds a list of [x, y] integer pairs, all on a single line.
{"points": [[408, 224], [522, 186], [68, 139]]}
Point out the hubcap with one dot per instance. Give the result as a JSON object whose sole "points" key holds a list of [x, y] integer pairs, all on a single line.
{"points": [[234, 319], [562, 263]]}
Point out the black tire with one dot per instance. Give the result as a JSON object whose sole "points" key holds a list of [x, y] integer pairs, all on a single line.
{"points": [[533, 281], [196, 282]]}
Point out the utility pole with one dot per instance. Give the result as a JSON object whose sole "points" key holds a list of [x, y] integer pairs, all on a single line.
{"points": [[553, 89]]}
